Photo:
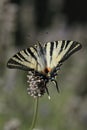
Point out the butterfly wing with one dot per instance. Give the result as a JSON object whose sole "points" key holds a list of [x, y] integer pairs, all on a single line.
{"points": [[39, 57], [58, 51], [28, 59]]}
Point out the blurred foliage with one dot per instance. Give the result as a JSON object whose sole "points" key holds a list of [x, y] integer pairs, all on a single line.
{"points": [[22, 23]]}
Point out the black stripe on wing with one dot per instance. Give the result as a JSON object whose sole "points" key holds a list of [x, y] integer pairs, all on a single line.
{"points": [[14, 64], [62, 46], [22, 57], [16, 56], [51, 48], [67, 43], [32, 54], [56, 43]]}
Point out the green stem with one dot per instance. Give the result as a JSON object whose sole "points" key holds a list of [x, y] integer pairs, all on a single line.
{"points": [[35, 113]]}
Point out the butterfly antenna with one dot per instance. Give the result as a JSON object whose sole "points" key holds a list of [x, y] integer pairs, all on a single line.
{"points": [[39, 43], [47, 92], [55, 82], [40, 47]]}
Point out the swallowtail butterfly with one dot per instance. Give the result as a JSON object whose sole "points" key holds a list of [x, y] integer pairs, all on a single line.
{"points": [[42, 63]]}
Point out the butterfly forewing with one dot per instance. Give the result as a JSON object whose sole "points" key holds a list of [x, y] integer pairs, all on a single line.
{"points": [[59, 51], [25, 59]]}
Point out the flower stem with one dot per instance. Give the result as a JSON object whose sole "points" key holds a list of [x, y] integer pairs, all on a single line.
{"points": [[35, 113]]}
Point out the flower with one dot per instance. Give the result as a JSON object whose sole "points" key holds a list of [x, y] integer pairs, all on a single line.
{"points": [[37, 84]]}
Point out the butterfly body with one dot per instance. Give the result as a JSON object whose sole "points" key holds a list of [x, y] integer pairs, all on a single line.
{"points": [[43, 62]]}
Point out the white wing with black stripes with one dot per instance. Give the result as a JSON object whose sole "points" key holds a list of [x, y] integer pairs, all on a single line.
{"points": [[28, 59], [58, 51], [44, 58], [42, 63]]}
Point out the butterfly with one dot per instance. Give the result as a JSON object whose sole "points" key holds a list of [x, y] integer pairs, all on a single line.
{"points": [[43, 63]]}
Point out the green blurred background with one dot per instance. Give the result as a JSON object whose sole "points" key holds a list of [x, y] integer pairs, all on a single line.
{"points": [[22, 24]]}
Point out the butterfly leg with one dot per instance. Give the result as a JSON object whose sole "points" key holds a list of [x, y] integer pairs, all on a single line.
{"points": [[47, 92], [55, 82]]}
